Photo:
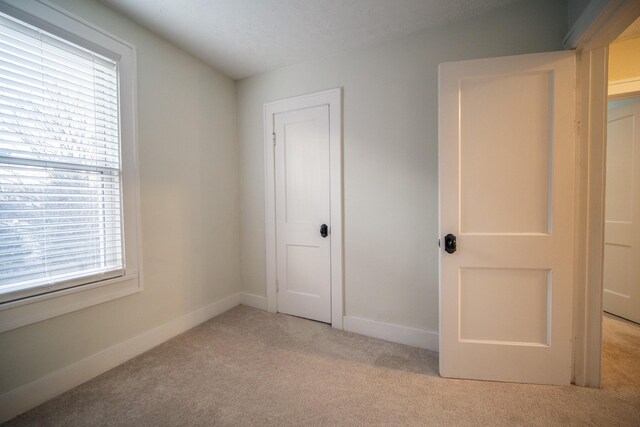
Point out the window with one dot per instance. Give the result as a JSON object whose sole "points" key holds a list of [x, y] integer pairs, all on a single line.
{"points": [[68, 178]]}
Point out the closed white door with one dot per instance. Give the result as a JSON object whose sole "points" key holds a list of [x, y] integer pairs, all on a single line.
{"points": [[302, 193], [622, 213], [506, 167]]}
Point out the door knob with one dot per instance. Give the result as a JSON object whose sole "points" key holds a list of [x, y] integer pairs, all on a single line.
{"points": [[450, 243], [324, 230]]}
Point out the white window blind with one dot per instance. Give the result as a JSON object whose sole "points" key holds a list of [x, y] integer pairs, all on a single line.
{"points": [[60, 189]]}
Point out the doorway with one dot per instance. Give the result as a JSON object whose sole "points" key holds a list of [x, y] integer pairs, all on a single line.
{"points": [[621, 268], [303, 166]]}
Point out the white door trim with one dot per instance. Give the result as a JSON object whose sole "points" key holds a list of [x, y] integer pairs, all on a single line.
{"points": [[332, 98], [592, 48], [628, 88]]}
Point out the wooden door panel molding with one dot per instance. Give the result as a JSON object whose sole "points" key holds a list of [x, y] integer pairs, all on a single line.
{"points": [[291, 227], [506, 190]]}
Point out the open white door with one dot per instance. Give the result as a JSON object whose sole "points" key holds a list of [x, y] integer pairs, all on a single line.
{"points": [[506, 167], [622, 222]]}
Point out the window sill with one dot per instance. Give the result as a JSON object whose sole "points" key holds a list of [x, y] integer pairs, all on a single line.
{"points": [[42, 307]]}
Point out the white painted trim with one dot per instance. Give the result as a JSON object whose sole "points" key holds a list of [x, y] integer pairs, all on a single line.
{"points": [[253, 300], [591, 165], [392, 332], [589, 200], [47, 306], [584, 21], [270, 211], [601, 22], [30, 395], [624, 88], [333, 98]]}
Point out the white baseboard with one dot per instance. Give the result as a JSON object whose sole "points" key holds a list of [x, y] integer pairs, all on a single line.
{"points": [[30, 395], [391, 332], [253, 300]]}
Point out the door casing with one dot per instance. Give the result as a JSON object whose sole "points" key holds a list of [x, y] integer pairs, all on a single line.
{"points": [[591, 39], [332, 98]]}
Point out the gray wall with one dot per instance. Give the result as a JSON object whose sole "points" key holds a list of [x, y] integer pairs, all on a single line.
{"points": [[390, 154], [575, 9], [189, 208]]}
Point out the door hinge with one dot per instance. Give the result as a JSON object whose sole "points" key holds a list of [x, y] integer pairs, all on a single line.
{"points": [[274, 139], [277, 286], [438, 242]]}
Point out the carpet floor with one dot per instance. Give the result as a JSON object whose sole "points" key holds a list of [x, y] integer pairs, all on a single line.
{"points": [[249, 367]]}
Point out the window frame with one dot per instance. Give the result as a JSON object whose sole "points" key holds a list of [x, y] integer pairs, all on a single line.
{"points": [[55, 20]]}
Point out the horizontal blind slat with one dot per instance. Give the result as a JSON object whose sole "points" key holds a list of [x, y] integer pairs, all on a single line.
{"points": [[57, 249], [18, 89], [21, 107], [41, 234], [64, 151], [32, 53], [48, 274], [29, 34], [52, 84], [46, 67], [83, 127]]}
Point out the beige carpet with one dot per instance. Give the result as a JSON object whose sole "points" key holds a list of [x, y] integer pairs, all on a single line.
{"points": [[248, 367]]}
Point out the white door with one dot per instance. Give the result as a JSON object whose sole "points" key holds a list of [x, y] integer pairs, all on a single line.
{"points": [[302, 193], [506, 167], [622, 213]]}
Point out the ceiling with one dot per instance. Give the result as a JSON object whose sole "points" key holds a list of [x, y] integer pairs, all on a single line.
{"points": [[632, 32], [245, 37]]}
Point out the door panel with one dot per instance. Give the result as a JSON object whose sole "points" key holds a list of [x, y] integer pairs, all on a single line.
{"points": [[302, 193], [524, 301], [506, 190], [521, 152], [622, 207]]}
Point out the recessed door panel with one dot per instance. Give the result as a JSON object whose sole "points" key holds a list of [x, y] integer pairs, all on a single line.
{"points": [[619, 190], [507, 306], [303, 172], [617, 261], [515, 164], [303, 277]]}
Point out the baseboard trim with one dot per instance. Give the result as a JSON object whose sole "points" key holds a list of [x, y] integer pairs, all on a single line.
{"points": [[30, 395], [391, 332], [253, 300]]}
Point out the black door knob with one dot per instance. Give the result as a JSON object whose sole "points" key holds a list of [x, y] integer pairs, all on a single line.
{"points": [[324, 230], [450, 245]]}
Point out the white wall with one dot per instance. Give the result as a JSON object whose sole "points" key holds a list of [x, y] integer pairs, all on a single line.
{"points": [[390, 154], [189, 209]]}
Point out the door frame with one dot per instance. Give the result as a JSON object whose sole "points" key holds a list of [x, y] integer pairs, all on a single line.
{"points": [[332, 98], [601, 23]]}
